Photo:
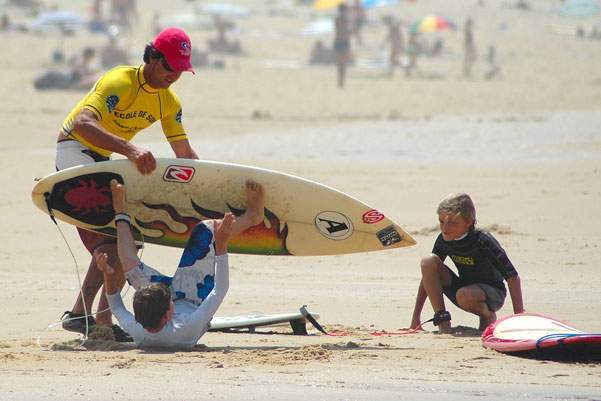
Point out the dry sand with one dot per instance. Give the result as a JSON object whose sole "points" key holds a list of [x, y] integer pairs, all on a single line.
{"points": [[527, 147]]}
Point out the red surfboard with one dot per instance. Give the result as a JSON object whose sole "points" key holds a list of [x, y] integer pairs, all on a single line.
{"points": [[541, 336]]}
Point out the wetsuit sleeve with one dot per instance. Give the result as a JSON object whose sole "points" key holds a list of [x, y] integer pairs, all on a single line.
{"points": [[139, 276], [498, 257], [108, 92], [171, 122], [439, 249], [126, 319]]}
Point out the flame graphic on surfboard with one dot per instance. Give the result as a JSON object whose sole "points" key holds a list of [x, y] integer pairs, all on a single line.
{"points": [[259, 239]]}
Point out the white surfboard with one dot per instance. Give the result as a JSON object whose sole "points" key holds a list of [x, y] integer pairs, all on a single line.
{"points": [[297, 322], [302, 217]]}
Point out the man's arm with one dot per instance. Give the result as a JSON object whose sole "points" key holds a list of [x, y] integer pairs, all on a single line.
{"points": [[87, 126], [515, 290], [183, 150]]}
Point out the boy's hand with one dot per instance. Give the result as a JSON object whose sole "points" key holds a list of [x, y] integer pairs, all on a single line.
{"points": [[223, 232], [101, 259]]}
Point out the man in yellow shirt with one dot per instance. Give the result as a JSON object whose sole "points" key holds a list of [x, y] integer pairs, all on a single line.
{"points": [[124, 101]]}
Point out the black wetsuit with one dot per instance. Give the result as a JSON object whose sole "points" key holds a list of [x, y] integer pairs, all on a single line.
{"points": [[479, 258]]}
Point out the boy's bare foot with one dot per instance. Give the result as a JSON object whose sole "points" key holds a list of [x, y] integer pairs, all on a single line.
{"points": [[256, 202], [485, 322], [444, 327], [118, 190]]}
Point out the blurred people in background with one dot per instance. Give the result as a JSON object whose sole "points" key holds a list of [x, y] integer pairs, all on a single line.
{"points": [[395, 39], [222, 44], [358, 19], [342, 42], [413, 51], [469, 48], [124, 14], [494, 69], [111, 54]]}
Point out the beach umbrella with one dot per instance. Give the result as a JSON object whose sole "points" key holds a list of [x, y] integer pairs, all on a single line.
{"points": [[322, 26], [377, 3], [432, 23], [579, 8], [223, 9], [325, 4], [62, 19]]}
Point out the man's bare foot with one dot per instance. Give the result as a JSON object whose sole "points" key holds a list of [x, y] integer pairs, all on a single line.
{"points": [[255, 198], [118, 190], [485, 322]]}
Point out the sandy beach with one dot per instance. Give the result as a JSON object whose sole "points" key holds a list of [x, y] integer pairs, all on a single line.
{"points": [[526, 146]]}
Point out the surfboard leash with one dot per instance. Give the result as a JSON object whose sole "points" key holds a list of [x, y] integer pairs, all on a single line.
{"points": [[85, 337], [337, 333], [385, 333], [310, 318]]}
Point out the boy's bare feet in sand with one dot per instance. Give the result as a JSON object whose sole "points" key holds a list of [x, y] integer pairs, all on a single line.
{"points": [[485, 322], [444, 327]]}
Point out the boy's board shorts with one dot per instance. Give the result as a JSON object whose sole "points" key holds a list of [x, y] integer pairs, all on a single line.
{"points": [[71, 153], [495, 298], [194, 278]]}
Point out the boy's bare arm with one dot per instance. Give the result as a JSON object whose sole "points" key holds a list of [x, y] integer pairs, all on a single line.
{"points": [[515, 290], [420, 299], [128, 253]]}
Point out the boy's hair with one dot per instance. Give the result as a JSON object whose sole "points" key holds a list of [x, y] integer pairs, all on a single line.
{"points": [[150, 305], [458, 204]]}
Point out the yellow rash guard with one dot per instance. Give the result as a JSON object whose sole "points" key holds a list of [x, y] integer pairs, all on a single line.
{"points": [[125, 104]]}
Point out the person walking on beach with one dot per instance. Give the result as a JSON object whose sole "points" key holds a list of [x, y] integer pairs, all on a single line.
{"points": [[123, 102], [397, 46], [174, 312], [413, 51], [469, 48], [359, 18], [481, 262], [342, 42]]}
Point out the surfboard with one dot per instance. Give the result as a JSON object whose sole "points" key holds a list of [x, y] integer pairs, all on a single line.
{"points": [[541, 336], [297, 322], [302, 217]]}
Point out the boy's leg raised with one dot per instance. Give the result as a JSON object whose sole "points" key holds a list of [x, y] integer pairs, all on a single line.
{"points": [[435, 276]]}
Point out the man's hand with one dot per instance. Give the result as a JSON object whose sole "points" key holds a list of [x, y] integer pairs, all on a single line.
{"points": [[223, 232], [143, 158]]}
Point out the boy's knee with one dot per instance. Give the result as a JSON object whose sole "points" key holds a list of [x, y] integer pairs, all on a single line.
{"points": [[430, 262], [469, 296]]}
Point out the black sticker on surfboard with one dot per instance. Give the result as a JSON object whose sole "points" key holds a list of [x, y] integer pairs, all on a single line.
{"points": [[334, 225], [389, 236], [86, 198]]}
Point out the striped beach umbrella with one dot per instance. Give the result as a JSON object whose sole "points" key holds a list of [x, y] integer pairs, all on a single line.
{"points": [[432, 23]]}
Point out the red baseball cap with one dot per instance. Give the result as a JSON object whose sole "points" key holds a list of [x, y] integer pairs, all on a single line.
{"points": [[176, 47]]}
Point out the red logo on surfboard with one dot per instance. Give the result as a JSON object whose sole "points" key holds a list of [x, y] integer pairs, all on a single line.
{"points": [[179, 174], [373, 216]]}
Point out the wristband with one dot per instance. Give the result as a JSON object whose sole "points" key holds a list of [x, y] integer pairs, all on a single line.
{"points": [[122, 217]]}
